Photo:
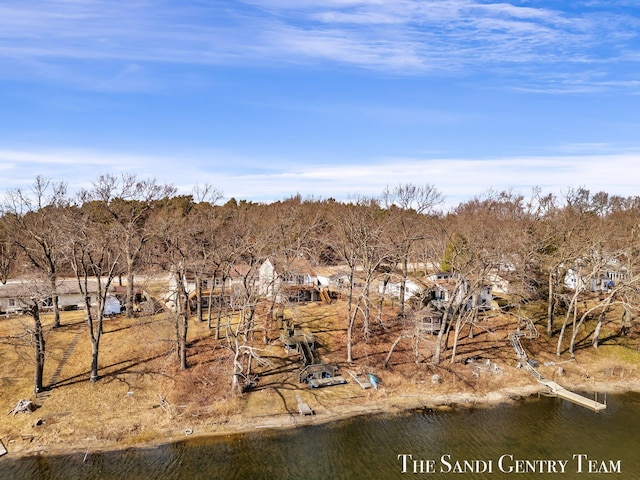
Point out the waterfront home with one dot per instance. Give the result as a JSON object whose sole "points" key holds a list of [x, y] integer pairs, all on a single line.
{"points": [[217, 286], [441, 286], [293, 281], [393, 288], [595, 279]]}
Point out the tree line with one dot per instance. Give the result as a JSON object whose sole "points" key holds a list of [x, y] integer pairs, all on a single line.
{"points": [[124, 225]]}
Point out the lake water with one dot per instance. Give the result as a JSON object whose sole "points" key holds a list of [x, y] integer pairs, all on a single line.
{"points": [[527, 440]]}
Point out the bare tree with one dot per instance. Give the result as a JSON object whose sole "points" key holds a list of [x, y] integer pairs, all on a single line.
{"points": [[32, 221], [555, 236], [173, 251], [485, 234], [8, 253], [204, 225], [411, 204], [359, 227], [128, 200], [92, 247], [32, 294], [39, 344]]}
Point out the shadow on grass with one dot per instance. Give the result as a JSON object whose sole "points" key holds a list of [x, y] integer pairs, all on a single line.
{"points": [[126, 367]]}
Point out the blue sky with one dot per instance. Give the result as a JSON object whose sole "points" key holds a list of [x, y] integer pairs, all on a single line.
{"points": [[266, 99]]}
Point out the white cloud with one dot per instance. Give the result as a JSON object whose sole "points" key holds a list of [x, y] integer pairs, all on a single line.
{"points": [[458, 178]]}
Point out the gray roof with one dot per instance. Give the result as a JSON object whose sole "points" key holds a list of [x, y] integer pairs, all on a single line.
{"points": [[26, 288]]}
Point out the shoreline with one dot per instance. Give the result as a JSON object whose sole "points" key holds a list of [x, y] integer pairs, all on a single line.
{"points": [[387, 404]]}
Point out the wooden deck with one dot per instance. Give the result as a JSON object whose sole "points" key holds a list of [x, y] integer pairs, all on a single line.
{"points": [[326, 382]]}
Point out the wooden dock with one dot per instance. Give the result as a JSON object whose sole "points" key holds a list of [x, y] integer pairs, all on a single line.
{"points": [[555, 389], [361, 380], [565, 394], [303, 408]]}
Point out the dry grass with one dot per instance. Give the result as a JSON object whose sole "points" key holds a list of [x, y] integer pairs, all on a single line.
{"points": [[142, 396]]}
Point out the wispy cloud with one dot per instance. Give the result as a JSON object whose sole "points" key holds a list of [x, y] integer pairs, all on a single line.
{"points": [[400, 36]]}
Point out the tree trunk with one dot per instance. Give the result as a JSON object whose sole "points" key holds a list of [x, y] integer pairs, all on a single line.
{"points": [[184, 329], [403, 284], [366, 309], [183, 341], [473, 321], [209, 311], [351, 314], [550, 305], [352, 321], [395, 344], [385, 282], [574, 334], [39, 344], [445, 325], [623, 320], [130, 279], [95, 348], [248, 326], [350, 296], [199, 298], [176, 326], [437, 354], [460, 321], [454, 348], [181, 319], [54, 300], [221, 305], [572, 305], [236, 387], [596, 333]]}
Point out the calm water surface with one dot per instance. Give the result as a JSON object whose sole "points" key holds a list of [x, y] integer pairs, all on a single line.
{"points": [[461, 444]]}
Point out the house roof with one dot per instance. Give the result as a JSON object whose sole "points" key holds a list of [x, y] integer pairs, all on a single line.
{"points": [[295, 266], [236, 270], [331, 272], [240, 270], [26, 288]]}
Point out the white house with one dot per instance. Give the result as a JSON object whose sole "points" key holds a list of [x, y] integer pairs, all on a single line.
{"points": [[393, 289], [16, 294], [443, 285], [499, 284], [607, 277], [215, 284], [291, 281]]}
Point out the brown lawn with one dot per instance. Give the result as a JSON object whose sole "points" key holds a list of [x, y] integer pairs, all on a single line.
{"points": [[143, 398]]}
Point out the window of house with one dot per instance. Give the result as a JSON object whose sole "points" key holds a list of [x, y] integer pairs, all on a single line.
{"points": [[11, 302]]}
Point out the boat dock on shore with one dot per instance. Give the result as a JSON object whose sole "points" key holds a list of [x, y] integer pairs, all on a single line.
{"points": [[554, 388], [561, 392]]}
